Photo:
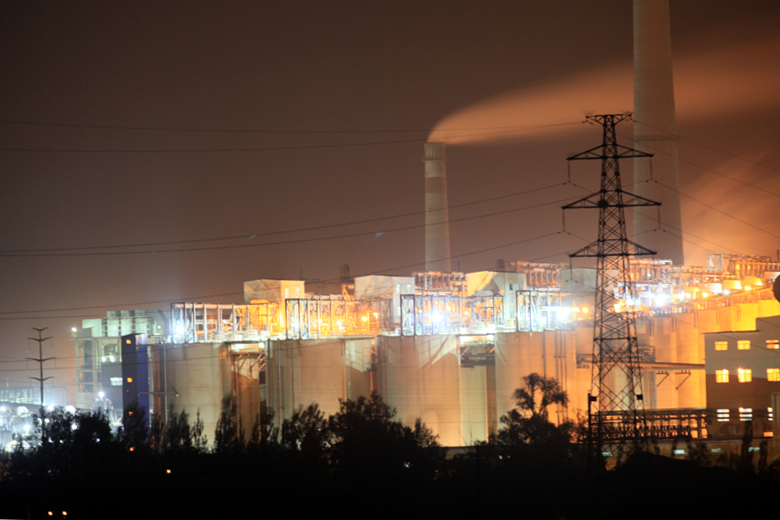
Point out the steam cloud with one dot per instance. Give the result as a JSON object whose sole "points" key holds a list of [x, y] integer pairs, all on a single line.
{"points": [[706, 84]]}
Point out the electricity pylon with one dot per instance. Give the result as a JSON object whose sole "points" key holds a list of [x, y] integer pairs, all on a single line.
{"points": [[616, 379], [40, 359]]}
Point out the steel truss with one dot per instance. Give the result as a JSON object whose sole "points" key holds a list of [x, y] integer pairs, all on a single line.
{"points": [[314, 318], [428, 314], [616, 382], [217, 322]]}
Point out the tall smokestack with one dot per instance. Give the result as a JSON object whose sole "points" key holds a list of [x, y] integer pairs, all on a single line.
{"points": [[437, 214], [655, 130]]}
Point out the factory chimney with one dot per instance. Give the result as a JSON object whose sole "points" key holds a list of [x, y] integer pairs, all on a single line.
{"points": [[437, 215], [655, 130]]}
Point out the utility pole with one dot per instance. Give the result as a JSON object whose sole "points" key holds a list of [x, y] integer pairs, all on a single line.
{"points": [[41, 360], [617, 423]]}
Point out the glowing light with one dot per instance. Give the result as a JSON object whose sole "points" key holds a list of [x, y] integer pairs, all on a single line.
{"points": [[585, 310], [74, 329], [364, 318], [168, 471], [102, 395]]}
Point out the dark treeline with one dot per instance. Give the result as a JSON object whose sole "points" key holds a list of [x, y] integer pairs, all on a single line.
{"points": [[360, 462]]}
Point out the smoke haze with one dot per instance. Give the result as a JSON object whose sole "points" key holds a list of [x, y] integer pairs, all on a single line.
{"points": [[708, 84]]}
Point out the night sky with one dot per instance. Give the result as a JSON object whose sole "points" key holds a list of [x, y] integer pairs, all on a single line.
{"points": [[130, 123]]}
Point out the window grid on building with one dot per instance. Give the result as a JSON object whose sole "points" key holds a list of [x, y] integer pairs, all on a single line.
{"points": [[743, 344], [721, 345], [745, 375], [723, 414], [722, 376], [773, 374], [745, 414]]}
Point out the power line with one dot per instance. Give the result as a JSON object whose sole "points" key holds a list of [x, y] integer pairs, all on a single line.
{"points": [[710, 170], [279, 242], [205, 297], [719, 210], [271, 148], [712, 148], [270, 233], [261, 131]]}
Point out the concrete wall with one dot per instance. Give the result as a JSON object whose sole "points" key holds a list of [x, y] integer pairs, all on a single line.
{"points": [[551, 354], [421, 377], [198, 374], [322, 371]]}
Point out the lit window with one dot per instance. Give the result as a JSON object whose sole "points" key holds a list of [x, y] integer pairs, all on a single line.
{"points": [[745, 414], [723, 414], [743, 344], [116, 381], [722, 376], [745, 375], [773, 343], [773, 374], [721, 345]]}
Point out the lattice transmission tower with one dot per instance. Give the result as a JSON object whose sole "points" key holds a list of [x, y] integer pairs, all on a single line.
{"points": [[618, 423]]}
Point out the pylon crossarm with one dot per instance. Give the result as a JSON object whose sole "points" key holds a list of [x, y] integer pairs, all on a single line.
{"points": [[640, 250], [635, 201], [623, 153], [591, 201]]}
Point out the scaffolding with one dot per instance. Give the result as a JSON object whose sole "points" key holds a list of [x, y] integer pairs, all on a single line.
{"points": [[538, 274], [539, 310], [217, 322], [434, 281], [743, 265], [429, 314], [333, 317]]}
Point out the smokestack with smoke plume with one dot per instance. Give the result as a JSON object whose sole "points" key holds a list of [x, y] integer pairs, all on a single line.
{"points": [[437, 215], [655, 130]]}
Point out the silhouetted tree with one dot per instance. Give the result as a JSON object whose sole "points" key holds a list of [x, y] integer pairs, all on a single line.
{"points": [[179, 436], [367, 439], [228, 436], [265, 436], [135, 429], [529, 422], [307, 432]]}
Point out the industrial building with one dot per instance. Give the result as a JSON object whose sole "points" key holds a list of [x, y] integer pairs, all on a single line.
{"points": [[449, 348]]}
